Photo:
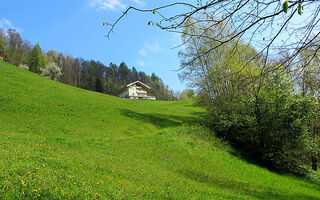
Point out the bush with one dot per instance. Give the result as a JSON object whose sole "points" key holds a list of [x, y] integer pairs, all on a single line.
{"points": [[270, 122], [23, 66]]}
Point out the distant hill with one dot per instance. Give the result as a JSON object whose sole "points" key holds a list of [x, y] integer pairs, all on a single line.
{"points": [[63, 142]]}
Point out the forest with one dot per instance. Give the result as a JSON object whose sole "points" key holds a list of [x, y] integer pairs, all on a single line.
{"points": [[87, 74]]}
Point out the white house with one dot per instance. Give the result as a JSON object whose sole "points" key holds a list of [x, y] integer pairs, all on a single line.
{"points": [[136, 90]]}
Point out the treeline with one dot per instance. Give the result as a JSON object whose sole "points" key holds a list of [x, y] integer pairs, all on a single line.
{"points": [[87, 74], [269, 110]]}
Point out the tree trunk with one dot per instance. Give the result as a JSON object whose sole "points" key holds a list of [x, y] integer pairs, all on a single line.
{"points": [[314, 156], [314, 163]]}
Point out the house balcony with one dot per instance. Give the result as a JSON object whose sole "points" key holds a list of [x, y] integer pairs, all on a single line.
{"points": [[150, 97], [141, 92], [141, 96]]}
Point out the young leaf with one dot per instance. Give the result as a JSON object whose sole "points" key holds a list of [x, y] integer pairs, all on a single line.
{"points": [[285, 6], [300, 9]]}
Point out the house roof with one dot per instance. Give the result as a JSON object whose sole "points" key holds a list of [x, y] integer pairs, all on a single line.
{"points": [[138, 83]]}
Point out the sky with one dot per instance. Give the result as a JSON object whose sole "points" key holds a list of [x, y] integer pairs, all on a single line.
{"points": [[75, 27]]}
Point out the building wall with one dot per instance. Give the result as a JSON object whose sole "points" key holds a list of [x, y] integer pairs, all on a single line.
{"points": [[132, 90]]}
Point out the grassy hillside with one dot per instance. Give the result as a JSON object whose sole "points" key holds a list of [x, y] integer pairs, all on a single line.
{"points": [[61, 142]]}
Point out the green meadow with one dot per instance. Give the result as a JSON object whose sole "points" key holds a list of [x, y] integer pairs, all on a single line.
{"points": [[62, 142]]}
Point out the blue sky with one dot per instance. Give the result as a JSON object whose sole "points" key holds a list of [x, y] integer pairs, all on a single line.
{"points": [[75, 28]]}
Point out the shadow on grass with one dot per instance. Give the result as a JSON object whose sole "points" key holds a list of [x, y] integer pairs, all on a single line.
{"points": [[160, 120], [250, 157], [256, 191]]}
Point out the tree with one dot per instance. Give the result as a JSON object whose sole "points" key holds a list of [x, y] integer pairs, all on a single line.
{"points": [[154, 77], [25, 52], [68, 70], [309, 82], [188, 94], [3, 45], [112, 72], [51, 70], [124, 73], [134, 74], [262, 114], [99, 85], [37, 60], [14, 47], [143, 77], [77, 72], [273, 26], [52, 56]]}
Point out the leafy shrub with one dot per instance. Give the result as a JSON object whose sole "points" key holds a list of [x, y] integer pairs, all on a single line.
{"points": [[51, 70], [270, 122], [23, 66]]}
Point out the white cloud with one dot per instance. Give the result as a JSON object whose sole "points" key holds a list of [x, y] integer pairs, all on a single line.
{"points": [[154, 47], [111, 4], [107, 4], [148, 49], [143, 52], [138, 2], [6, 24], [141, 63]]}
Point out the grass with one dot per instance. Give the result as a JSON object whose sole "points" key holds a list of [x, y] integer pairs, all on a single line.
{"points": [[62, 142]]}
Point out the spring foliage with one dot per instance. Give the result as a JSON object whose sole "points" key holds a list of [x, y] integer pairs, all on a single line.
{"points": [[256, 108]]}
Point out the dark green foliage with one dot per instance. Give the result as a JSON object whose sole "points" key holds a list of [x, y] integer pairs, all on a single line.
{"points": [[154, 77], [188, 94], [3, 46], [160, 90], [255, 105], [285, 6], [124, 73], [99, 86], [134, 74], [270, 122], [36, 60]]}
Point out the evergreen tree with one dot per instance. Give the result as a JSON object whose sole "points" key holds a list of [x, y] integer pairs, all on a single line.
{"points": [[124, 73], [99, 85], [134, 74], [154, 77], [143, 77], [36, 59]]}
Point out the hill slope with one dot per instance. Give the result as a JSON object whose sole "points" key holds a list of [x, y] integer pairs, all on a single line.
{"points": [[61, 142]]}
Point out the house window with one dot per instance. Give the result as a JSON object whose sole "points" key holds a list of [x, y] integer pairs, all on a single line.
{"points": [[132, 93]]}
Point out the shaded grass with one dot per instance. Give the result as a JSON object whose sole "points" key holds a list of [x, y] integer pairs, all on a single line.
{"points": [[61, 142]]}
